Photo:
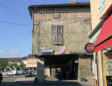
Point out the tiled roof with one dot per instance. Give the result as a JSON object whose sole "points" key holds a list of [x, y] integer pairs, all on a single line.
{"points": [[13, 59]]}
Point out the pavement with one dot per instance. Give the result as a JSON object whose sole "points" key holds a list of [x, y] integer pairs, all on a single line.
{"points": [[26, 81], [30, 81]]}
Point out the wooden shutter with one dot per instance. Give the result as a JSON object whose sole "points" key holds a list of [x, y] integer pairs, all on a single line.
{"points": [[60, 34], [54, 34], [101, 4], [57, 34]]}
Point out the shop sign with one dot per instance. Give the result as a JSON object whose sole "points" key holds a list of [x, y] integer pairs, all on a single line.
{"points": [[89, 47]]}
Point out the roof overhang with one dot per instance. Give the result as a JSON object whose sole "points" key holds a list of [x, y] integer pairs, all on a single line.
{"points": [[78, 4]]}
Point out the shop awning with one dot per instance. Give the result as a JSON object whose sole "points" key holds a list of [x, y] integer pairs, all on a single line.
{"points": [[104, 38]]}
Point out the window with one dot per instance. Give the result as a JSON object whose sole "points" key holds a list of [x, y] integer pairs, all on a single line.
{"points": [[57, 14], [101, 4], [57, 34]]}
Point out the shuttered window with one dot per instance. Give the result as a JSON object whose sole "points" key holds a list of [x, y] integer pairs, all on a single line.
{"points": [[57, 34], [101, 4], [54, 34], [57, 13]]}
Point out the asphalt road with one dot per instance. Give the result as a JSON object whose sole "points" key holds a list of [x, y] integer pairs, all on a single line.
{"points": [[12, 78], [10, 81]]}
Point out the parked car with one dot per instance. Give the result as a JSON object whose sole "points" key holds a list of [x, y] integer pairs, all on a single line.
{"points": [[35, 73], [29, 74], [11, 72], [19, 72]]}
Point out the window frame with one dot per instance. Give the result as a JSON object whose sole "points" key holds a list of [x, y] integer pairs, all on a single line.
{"points": [[57, 34]]}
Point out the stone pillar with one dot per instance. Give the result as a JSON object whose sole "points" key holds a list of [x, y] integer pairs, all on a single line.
{"points": [[40, 70], [100, 69], [84, 68]]}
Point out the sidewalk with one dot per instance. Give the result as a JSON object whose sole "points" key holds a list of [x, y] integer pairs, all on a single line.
{"points": [[26, 81], [29, 81]]}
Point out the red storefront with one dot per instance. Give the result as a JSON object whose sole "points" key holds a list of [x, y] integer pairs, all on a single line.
{"points": [[103, 51], [104, 39]]}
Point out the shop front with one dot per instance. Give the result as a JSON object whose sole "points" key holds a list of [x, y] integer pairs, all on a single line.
{"points": [[103, 54]]}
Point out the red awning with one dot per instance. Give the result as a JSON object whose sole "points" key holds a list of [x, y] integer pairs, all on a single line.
{"points": [[104, 38]]}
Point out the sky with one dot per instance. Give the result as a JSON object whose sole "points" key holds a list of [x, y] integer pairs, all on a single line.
{"points": [[16, 26]]}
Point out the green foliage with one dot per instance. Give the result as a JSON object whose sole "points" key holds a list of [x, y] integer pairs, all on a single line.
{"points": [[22, 66], [13, 65], [3, 64], [18, 65]]}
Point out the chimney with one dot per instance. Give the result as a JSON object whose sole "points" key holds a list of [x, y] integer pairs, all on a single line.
{"points": [[72, 1]]}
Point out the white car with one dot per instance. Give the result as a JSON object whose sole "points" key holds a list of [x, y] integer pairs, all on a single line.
{"points": [[11, 72]]}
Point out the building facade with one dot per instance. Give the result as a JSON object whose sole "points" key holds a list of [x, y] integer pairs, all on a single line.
{"points": [[31, 62], [101, 16], [59, 37]]}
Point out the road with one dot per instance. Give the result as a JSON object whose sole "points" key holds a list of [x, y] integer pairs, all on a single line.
{"points": [[11, 81]]}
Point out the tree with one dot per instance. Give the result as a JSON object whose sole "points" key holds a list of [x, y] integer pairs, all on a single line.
{"points": [[13, 65], [22, 66], [3, 64]]}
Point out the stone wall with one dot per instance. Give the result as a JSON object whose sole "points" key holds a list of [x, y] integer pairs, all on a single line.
{"points": [[76, 22], [85, 68], [76, 26]]}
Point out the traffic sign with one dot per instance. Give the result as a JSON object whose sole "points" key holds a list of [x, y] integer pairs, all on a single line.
{"points": [[89, 47]]}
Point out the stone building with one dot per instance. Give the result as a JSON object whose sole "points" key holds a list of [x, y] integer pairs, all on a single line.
{"points": [[59, 37], [31, 62]]}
